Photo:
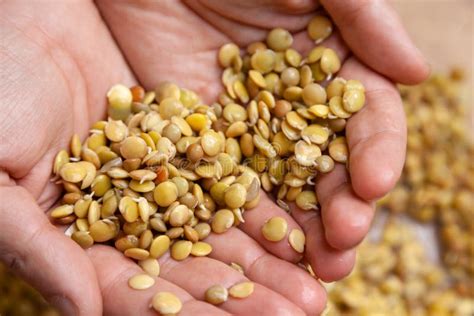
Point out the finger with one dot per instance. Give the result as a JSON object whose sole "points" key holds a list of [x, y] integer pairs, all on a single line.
{"points": [[114, 270], [376, 135], [47, 259], [329, 264], [197, 274], [257, 217], [259, 266], [259, 14], [244, 24], [375, 34], [345, 216], [246, 34], [256, 30]]}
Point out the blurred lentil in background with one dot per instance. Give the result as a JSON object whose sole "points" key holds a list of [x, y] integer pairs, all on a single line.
{"points": [[18, 299], [394, 275]]}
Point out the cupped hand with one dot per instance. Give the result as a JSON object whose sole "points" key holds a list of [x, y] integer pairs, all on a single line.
{"points": [[375, 49], [58, 60]]}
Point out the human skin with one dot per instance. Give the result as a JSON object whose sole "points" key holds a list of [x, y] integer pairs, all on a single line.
{"points": [[57, 61]]}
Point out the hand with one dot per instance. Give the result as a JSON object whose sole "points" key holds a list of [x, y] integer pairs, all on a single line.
{"points": [[60, 59]]}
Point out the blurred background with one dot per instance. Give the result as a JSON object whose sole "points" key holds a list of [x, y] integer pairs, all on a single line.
{"points": [[444, 32], [419, 257]]}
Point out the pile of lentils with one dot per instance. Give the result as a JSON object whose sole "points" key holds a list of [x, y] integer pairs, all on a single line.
{"points": [[165, 170], [437, 184], [393, 276]]}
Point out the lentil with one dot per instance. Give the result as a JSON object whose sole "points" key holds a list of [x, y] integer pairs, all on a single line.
{"points": [[296, 239], [314, 94], [165, 193], [137, 253], [227, 53], [275, 229], [216, 294], [73, 172], [166, 303], [200, 249], [222, 221], [181, 249], [307, 200], [235, 196], [319, 28], [242, 290], [237, 267], [263, 61], [279, 39], [120, 102], [83, 239], [159, 246], [150, 266], [141, 282], [103, 230], [330, 63]]}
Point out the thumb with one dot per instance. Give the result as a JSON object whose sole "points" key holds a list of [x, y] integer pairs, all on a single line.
{"points": [[44, 257]]}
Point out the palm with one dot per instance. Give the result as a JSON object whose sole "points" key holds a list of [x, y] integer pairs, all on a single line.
{"points": [[164, 41]]}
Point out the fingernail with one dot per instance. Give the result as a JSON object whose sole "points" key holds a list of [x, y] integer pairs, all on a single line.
{"points": [[64, 305]]}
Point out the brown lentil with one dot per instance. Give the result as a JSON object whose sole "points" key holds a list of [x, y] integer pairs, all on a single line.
{"points": [[137, 253], [83, 239], [216, 294]]}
